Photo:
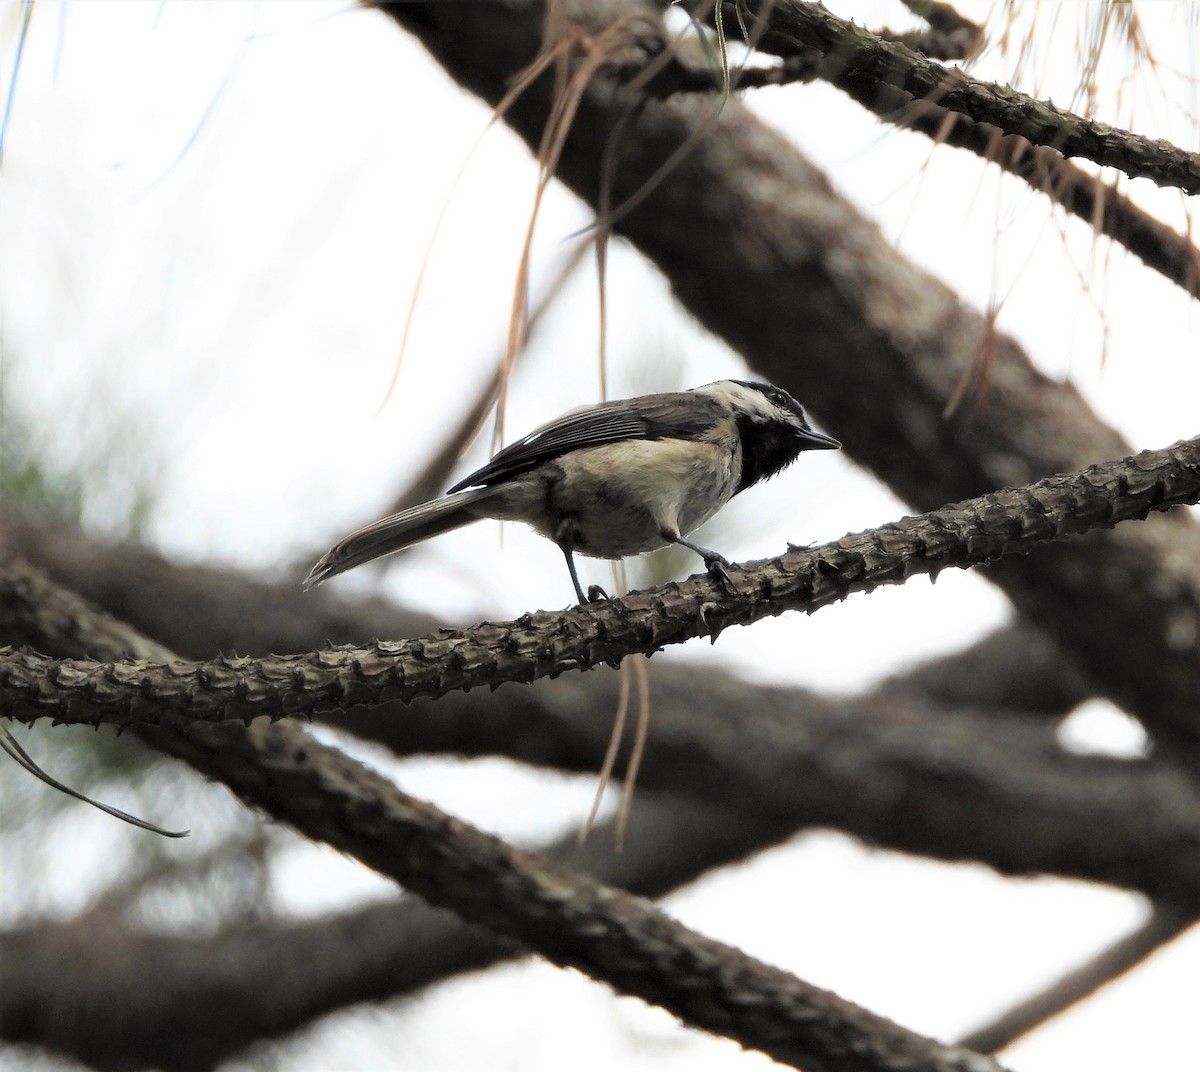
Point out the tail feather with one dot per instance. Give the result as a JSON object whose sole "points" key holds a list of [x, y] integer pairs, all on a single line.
{"points": [[401, 530]]}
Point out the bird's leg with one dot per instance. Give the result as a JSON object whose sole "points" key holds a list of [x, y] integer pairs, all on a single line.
{"points": [[716, 564], [574, 576], [595, 593]]}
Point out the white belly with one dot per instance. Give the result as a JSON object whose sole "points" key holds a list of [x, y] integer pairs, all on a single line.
{"points": [[621, 497]]}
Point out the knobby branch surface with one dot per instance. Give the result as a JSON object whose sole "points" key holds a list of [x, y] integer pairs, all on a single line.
{"points": [[1015, 668], [957, 760], [1100, 205], [546, 644], [1085, 196], [855, 56], [571, 919], [56, 621]]}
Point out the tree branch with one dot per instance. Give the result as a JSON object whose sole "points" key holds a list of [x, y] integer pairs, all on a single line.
{"points": [[950, 36], [1085, 196], [892, 769], [1157, 825], [855, 56], [198, 610], [91, 987], [978, 531], [570, 919]]}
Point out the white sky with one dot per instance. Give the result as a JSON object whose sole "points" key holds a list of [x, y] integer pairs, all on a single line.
{"points": [[211, 221]]}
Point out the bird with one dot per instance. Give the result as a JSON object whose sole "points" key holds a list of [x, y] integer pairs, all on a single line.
{"points": [[613, 479]]}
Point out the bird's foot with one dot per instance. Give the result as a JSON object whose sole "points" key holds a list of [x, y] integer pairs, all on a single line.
{"points": [[596, 594], [718, 567]]}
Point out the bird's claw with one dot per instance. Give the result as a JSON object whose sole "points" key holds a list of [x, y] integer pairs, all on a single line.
{"points": [[596, 594], [718, 567]]}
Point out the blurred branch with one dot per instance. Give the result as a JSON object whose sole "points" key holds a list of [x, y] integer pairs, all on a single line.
{"points": [[953, 785], [949, 36], [1165, 924], [571, 919], [283, 974], [790, 762], [546, 644], [192, 609]]}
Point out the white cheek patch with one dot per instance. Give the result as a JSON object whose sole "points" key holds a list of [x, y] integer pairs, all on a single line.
{"points": [[750, 401]]}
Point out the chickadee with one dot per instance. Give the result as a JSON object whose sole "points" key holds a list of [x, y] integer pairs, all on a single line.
{"points": [[614, 479]]}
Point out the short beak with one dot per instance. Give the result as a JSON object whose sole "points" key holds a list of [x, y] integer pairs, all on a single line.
{"points": [[818, 441]]}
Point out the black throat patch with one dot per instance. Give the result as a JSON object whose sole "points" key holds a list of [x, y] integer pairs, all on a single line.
{"points": [[767, 447]]}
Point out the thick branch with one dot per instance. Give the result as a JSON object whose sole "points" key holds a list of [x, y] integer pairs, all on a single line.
{"points": [[573, 920], [944, 784], [58, 621], [546, 645]]}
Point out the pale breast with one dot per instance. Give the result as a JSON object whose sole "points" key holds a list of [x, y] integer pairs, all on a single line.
{"points": [[622, 496]]}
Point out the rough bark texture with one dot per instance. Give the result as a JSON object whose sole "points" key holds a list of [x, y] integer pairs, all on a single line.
{"points": [[540, 645], [196, 610], [947, 762], [857, 55], [1086, 196]]}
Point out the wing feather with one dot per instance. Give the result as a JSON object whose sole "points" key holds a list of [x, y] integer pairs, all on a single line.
{"points": [[654, 417]]}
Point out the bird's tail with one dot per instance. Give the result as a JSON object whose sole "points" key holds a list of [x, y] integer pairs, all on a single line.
{"points": [[400, 530]]}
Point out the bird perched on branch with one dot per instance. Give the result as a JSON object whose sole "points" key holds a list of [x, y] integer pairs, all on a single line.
{"points": [[614, 479]]}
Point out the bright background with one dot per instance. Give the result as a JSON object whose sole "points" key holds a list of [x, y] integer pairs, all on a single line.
{"points": [[212, 218]]}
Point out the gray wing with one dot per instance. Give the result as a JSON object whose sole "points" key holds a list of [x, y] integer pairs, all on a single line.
{"points": [[680, 415]]}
